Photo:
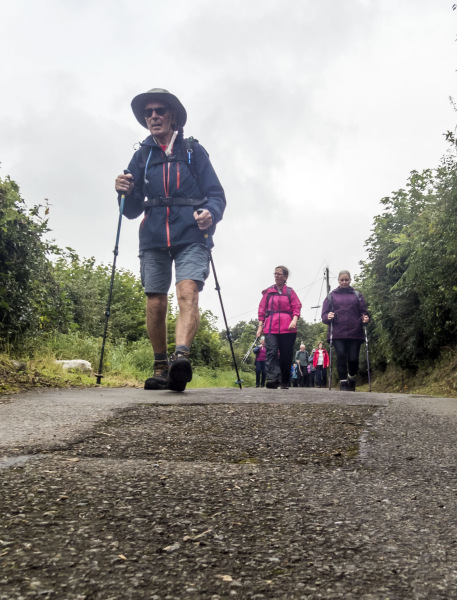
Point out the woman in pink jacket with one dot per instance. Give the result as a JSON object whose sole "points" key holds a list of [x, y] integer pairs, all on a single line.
{"points": [[279, 311]]}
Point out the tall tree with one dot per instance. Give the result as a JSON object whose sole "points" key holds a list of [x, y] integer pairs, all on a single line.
{"points": [[410, 275]]}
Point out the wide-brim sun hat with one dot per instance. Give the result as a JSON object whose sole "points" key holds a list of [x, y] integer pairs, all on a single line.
{"points": [[158, 95]]}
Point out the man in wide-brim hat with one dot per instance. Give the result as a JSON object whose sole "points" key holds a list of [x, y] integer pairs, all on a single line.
{"points": [[171, 180]]}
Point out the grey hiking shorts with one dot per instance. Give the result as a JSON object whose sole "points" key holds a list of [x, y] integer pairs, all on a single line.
{"points": [[191, 262]]}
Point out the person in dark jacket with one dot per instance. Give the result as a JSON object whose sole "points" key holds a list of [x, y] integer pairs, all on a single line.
{"points": [[311, 369], [294, 375], [279, 310], [172, 182], [345, 311], [260, 352], [302, 359]]}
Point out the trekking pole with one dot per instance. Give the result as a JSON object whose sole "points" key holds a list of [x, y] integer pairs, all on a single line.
{"points": [[246, 356], [330, 358], [218, 288], [368, 358], [229, 335], [108, 306]]}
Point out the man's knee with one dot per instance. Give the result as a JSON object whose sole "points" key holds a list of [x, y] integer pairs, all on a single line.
{"points": [[187, 292], [157, 303]]}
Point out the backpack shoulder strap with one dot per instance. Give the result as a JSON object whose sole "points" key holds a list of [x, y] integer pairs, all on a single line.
{"points": [[143, 153], [187, 148], [185, 154], [288, 294]]}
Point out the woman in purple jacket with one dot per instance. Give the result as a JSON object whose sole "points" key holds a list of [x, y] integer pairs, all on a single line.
{"points": [[279, 311], [345, 310]]}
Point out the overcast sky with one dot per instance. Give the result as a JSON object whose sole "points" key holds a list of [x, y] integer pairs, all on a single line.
{"points": [[311, 111]]}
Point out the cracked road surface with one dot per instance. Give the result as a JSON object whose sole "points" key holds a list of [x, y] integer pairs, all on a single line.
{"points": [[221, 493]]}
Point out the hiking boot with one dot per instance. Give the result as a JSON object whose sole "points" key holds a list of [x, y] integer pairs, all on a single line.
{"points": [[272, 384], [351, 384], [344, 385], [179, 371], [160, 378], [284, 386]]}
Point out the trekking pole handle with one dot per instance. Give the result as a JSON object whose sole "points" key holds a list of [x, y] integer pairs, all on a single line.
{"points": [[199, 212]]}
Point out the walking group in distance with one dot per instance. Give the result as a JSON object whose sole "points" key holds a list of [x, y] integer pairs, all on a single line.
{"points": [[344, 311]]}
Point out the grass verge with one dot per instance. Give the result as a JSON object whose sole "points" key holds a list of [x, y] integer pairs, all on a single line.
{"points": [[43, 372]]}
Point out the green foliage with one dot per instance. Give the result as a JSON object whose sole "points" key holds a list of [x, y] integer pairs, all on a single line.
{"points": [[243, 334], [30, 299], [135, 359], [310, 334], [74, 344], [410, 276], [204, 377], [86, 289], [206, 348]]}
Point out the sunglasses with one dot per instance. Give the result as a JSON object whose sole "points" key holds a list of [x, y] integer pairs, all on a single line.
{"points": [[160, 112]]}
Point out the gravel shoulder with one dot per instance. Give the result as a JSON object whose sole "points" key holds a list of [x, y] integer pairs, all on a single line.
{"points": [[227, 494]]}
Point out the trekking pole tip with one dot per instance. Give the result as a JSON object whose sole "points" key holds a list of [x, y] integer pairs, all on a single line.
{"points": [[99, 378]]}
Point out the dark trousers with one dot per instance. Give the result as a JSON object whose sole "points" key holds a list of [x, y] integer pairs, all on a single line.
{"points": [[321, 376], [303, 377], [260, 372], [347, 357], [311, 378], [280, 348]]}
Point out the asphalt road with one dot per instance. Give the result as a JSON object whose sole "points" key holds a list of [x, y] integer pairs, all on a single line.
{"points": [[222, 493]]}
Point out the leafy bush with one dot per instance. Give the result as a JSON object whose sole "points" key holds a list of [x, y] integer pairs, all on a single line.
{"points": [[31, 300], [86, 287], [72, 345]]}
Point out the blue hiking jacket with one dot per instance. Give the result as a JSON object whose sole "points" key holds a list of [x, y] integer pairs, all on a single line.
{"points": [[171, 225]]}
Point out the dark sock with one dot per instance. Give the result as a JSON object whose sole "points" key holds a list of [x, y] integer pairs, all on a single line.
{"points": [[182, 348], [160, 356]]}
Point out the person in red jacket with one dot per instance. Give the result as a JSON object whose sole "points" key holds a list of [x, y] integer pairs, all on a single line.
{"points": [[320, 362], [279, 311]]}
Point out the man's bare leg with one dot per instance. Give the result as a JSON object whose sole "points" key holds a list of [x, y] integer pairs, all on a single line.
{"points": [[156, 323], [188, 317], [186, 327]]}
